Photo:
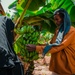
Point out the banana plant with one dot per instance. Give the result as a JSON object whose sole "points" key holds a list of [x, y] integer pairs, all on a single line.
{"points": [[40, 12], [23, 5], [44, 11]]}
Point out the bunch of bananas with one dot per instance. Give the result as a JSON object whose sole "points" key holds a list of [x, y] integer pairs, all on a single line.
{"points": [[28, 35], [25, 29]]}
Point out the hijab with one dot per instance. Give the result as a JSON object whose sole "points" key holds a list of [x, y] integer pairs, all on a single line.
{"points": [[6, 52], [63, 30]]}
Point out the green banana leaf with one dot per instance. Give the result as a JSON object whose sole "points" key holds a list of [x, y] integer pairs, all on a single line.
{"points": [[43, 10], [46, 11], [68, 5], [34, 5], [13, 5]]}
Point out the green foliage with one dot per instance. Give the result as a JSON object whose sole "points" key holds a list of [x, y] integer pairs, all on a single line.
{"points": [[13, 5], [45, 12], [34, 5], [72, 14], [68, 5], [45, 37]]}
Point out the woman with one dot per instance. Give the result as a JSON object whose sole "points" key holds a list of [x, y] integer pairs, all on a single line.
{"points": [[62, 45]]}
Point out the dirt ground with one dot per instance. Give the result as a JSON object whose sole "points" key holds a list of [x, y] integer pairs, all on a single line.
{"points": [[42, 66]]}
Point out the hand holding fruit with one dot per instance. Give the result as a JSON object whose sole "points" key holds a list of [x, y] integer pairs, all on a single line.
{"points": [[31, 47]]}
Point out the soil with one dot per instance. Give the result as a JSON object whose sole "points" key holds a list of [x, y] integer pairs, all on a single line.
{"points": [[41, 66]]}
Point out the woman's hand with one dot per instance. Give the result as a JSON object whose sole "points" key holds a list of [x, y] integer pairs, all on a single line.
{"points": [[31, 47]]}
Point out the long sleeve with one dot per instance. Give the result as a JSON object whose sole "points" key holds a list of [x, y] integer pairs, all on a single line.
{"points": [[66, 41], [39, 48]]}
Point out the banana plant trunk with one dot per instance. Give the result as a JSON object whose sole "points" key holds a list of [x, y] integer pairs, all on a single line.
{"points": [[30, 69]]}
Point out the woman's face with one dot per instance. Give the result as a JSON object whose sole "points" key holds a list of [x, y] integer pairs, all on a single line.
{"points": [[58, 20]]}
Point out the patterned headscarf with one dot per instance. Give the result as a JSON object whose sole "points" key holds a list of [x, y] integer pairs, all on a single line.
{"points": [[63, 30]]}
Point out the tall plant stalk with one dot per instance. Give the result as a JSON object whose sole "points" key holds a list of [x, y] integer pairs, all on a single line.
{"points": [[19, 22]]}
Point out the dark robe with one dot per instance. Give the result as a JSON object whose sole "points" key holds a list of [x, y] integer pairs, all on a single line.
{"points": [[9, 61]]}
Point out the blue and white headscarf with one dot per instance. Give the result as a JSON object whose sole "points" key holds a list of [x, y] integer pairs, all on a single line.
{"points": [[63, 30]]}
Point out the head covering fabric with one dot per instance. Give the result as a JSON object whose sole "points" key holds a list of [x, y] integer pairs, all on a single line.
{"points": [[63, 30], [6, 53], [9, 61]]}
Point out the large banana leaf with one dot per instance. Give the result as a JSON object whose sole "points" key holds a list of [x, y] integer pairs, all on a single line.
{"points": [[44, 21], [34, 5], [66, 4], [69, 5], [46, 11]]}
